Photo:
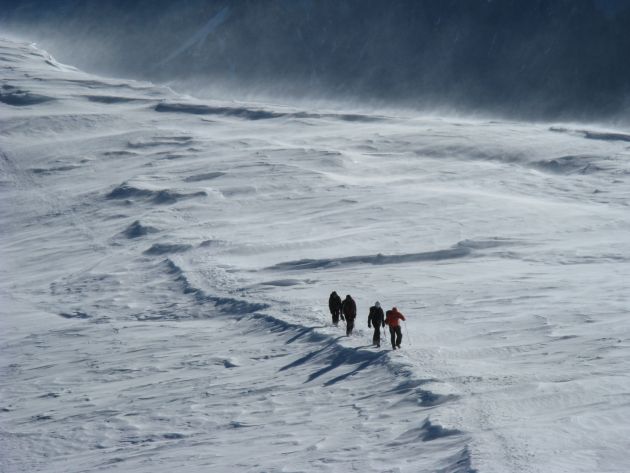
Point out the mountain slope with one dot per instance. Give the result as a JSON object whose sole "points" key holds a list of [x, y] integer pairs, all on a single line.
{"points": [[167, 264]]}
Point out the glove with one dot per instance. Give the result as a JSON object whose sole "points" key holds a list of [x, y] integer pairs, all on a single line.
{"points": [[369, 326]]}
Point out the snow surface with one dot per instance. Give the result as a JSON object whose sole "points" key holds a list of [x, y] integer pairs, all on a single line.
{"points": [[166, 265]]}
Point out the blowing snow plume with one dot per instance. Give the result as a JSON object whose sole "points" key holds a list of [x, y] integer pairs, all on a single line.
{"points": [[552, 59]]}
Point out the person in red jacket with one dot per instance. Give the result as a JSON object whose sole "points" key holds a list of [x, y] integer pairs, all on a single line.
{"points": [[393, 318], [349, 312]]}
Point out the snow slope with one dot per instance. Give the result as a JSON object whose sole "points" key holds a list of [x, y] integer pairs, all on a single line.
{"points": [[166, 265]]}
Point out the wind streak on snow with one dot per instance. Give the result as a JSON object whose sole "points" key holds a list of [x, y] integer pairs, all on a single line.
{"points": [[593, 134], [249, 113], [21, 98], [157, 196], [112, 99], [460, 250]]}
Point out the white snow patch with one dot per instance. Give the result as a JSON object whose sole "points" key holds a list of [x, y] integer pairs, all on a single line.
{"points": [[153, 323]]}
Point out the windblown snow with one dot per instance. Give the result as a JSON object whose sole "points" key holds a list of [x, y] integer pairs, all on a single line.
{"points": [[166, 266]]}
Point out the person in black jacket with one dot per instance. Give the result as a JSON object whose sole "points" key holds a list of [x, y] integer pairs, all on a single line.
{"points": [[376, 319], [349, 311], [334, 305]]}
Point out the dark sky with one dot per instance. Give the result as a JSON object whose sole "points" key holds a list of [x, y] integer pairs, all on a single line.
{"points": [[550, 59]]}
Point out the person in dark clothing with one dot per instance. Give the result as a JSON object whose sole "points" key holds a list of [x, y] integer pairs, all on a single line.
{"points": [[334, 305], [376, 318], [393, 318], [349, 311]]}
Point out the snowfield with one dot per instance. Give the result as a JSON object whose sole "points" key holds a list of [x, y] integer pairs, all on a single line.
{"points": [[166, 264]]}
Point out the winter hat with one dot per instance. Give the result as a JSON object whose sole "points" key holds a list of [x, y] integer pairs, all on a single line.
{"points": [[377, 304]]}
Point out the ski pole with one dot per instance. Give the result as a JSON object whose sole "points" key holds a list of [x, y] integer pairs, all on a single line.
{"points": [[407, 332]]}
